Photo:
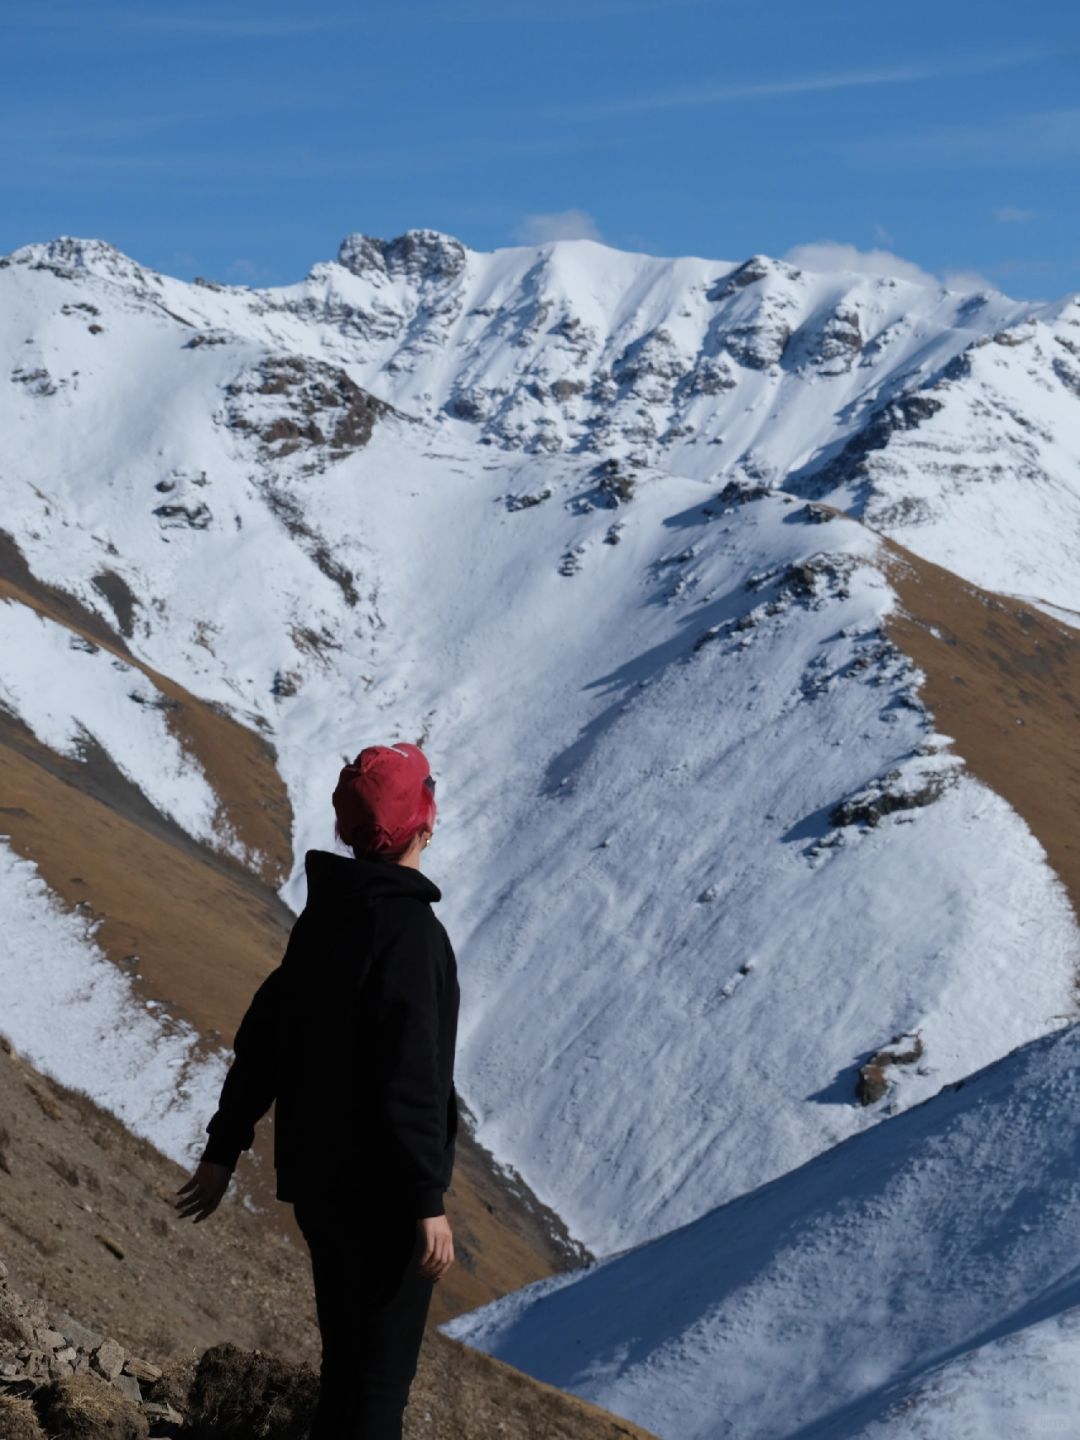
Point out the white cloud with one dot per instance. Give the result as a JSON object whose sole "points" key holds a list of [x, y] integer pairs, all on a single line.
{"points": [[557, 225], [883, 236], [829, 256], [832, 255], [1012, 215]]}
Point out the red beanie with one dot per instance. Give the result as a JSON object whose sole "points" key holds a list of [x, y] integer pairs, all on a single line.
{"points": [[384, 797]]}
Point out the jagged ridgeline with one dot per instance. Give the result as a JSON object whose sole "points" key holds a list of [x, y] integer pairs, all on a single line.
{"points": [[733, 602]]}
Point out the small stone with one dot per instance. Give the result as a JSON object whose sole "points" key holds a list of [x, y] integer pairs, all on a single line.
{"points": [[111, 1245], [108, 1359], [129, 1386], [164, 1420], [35, 1363], [78, 1334], [56, 1367], [142, 1369], [51, 1339], [68, 1354]]}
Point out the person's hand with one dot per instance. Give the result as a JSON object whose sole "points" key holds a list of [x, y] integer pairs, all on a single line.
{"points": [[438, 1253], [203, 1192]]}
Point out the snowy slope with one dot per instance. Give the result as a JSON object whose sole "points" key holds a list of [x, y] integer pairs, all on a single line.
{"points": [[529, 508], [65, 1004], [919, 1280]]}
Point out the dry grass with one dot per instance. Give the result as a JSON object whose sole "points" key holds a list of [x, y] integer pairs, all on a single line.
{"points": [[1004, 681]]}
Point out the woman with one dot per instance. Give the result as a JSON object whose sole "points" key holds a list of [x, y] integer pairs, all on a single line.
{"points": [[353, 1037]]}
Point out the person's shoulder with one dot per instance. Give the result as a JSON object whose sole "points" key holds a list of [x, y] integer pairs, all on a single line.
{"points": [[408, 915]]}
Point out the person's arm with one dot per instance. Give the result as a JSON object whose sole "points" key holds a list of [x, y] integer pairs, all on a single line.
{"points": [[250, 1085], [412, 1110], [247, 1093]]}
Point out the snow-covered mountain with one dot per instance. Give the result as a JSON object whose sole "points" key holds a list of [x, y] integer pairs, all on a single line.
{"points": [[598, 530], [917, 1280]]}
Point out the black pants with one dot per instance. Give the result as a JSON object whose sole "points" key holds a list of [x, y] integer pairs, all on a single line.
{"points": [[372, 1303]]}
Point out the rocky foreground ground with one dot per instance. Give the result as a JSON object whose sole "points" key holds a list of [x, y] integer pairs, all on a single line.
{"points": [[61, 1380], [118, 1319]]}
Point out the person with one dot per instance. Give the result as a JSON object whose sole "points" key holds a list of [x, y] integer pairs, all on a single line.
{"points": [[352, 1040]]}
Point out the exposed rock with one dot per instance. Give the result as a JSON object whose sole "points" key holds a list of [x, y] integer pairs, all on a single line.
{"points": [[873, 1081], [570, 563], [650, 366], [292, 404], [190, 517], [108, 1359], [15, 1326], [710, 376], [141, 1369], [362, 254], [757, 344], [526, 501], [615, 486], [906, 412], [86, 1407], [748, 273], [417, 254], [834, 346], [739, 492], [897, 790]]}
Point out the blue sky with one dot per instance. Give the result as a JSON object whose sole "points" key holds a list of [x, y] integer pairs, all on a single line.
{"points": [[242, 140]]}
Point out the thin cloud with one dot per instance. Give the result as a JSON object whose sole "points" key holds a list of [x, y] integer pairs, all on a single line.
{"points": [[1013, 215], [249, 272], [557, 225], [689, 97], [557, 12], [883, 236], [1039, 137], [218, 27]]}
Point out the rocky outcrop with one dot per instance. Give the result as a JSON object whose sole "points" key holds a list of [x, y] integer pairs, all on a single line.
{"points": [[70, 1381], [294, 404], [417, 254], [904, 788], [873, 1082], [849, 465]]}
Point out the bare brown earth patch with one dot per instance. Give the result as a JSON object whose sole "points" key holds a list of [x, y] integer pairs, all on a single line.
{"points": [[168, 1289], [1003, 679]]}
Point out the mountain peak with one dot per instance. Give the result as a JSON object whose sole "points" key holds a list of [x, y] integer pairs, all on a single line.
{"points": [[416, 254], [75, 255]]}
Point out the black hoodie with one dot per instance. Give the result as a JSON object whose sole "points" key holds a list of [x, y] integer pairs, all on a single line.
{"points": [[353, 1037]]}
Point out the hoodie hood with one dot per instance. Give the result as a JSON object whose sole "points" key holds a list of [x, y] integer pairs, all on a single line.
{"points": [[333, 878]]}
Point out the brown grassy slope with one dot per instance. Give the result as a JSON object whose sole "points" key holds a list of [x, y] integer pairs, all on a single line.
{"points": [[240, 763], [87, 1223], [204, 931], [1004, 680]]}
